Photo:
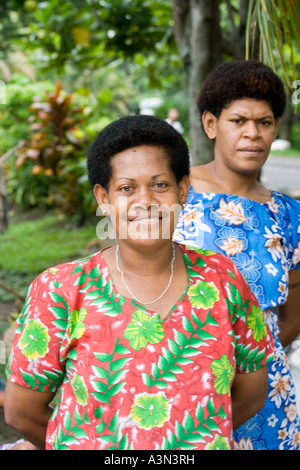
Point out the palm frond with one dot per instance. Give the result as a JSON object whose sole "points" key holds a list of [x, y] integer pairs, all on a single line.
{"points": [[276, 26]]}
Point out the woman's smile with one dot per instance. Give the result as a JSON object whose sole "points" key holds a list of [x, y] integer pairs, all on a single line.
{"points": [[144, 194]]}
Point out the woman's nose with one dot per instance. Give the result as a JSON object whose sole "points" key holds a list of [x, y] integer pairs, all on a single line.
{"points": [[251, 130], [144, 196]]}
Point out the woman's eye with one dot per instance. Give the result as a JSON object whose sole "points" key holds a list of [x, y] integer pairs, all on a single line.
{"points": [[125, 189], [160, 185]]}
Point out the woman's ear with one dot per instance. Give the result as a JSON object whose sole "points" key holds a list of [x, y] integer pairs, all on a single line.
{"points": [[184, 187], [209, 121], [277, 122], [101, 197]]}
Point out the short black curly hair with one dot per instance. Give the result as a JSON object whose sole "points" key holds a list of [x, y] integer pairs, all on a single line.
{"points": [[241, 79], [133, 131]]}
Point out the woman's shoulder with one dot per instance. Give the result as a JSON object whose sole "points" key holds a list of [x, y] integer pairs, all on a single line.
{"points": [[200, 178], [61, 273], [287, 199], [282, 202], [198, 171], [197, 258]]}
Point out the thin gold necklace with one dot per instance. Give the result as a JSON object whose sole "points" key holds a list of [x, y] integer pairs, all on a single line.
{"points": [[127, 287]]}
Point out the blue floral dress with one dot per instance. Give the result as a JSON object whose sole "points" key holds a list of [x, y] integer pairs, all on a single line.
{"points": [[264, 242]]}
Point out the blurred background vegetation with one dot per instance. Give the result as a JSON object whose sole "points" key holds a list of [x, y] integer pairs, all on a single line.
{"points": [[71, 67]]}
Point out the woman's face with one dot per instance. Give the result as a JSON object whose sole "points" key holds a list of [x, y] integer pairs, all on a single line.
{"points": [[243, 134], [143, 197]]}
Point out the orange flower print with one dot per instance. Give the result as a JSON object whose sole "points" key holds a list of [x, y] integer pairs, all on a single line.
{"points": [[232, 241], [244, 444], [281, 385], [232, 246], [233, 213], [291, 412], [273, 206], [296, 255], [189, 217], [273, 244]]}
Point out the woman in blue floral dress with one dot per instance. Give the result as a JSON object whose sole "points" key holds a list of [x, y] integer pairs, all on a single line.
{"points": [[229, 211]]}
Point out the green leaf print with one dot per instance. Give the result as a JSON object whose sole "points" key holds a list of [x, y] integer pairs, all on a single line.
{"points": [[219, 443], [201, 251], [192, 431], [23, 315], [224, 371], [144, 329], [235, 304], [34, 340], [112, 372], [29, 378], [104, 297], [60, 312], [255, 322], [113, 432], [180, 352], [203, 295], [150, 411], [80, 390], [38, 381], [198, 263], [70, 433], [77, 326], [248, 359]]}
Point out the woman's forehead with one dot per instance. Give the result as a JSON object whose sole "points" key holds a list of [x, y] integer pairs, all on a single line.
{"points": [[140, 159], [249, 106]]}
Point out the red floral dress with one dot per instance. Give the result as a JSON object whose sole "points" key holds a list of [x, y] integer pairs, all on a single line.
{"points": [[126, 378]]}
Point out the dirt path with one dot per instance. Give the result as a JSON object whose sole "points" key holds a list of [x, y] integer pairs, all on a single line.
{"points": [[6, 309]]}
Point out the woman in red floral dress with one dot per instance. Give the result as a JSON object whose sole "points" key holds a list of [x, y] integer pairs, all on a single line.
{"points": [[151, 345]]}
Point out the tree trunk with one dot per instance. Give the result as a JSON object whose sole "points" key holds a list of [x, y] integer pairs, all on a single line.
{"points": [[198, 36], [3, 203], [239, 38], [287, 120]]}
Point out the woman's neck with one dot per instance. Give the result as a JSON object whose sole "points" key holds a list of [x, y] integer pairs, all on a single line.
{"points": [[157, 277], [212, 178], [145, 261]]}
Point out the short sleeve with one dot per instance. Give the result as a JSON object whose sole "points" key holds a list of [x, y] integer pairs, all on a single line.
{"points": [[254, 344], [35, 361], [190, 229], [293, 207]]}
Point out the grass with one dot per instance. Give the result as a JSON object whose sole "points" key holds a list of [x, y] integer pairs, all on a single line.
{"points": [[292, 152], [33, 242], [30, 246]]}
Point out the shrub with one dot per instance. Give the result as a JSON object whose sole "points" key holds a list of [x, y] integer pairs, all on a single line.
{"points": [[51, 164]]}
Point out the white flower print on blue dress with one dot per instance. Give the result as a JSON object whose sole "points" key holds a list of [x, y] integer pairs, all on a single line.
{"points": [[264, 242]]}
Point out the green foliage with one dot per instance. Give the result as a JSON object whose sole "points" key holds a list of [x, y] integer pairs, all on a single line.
{"points": [[107, 55], [14, 128], [53, 160], [54, 131], [32, 245], [277, 23], [14, 114], [98, 32]]}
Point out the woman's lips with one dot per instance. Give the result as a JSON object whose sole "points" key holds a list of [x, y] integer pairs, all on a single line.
{"points": [[146, 220], [251, 150]]}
